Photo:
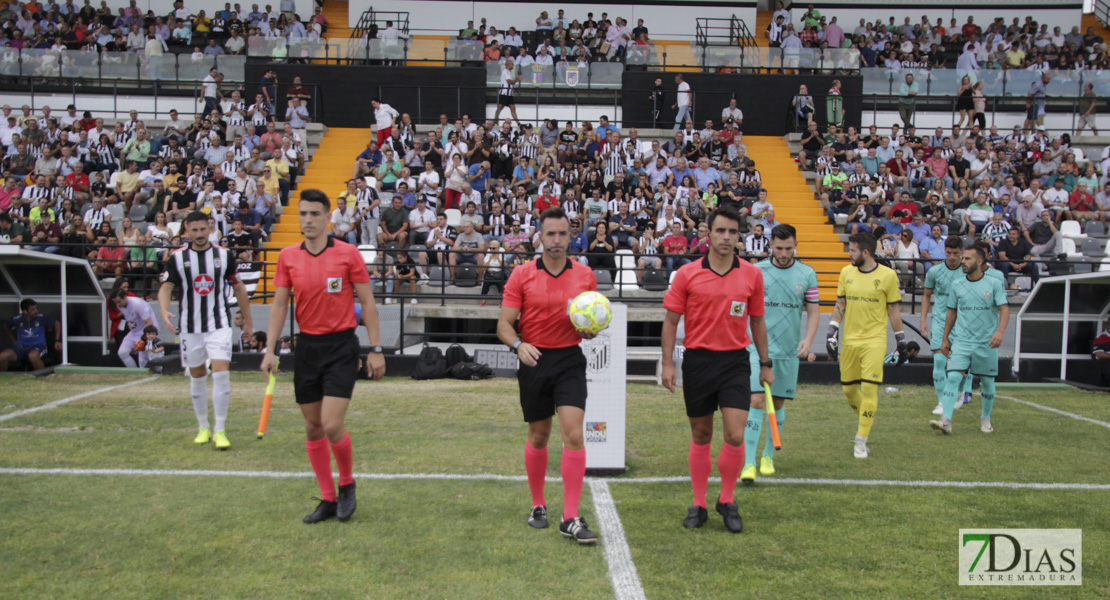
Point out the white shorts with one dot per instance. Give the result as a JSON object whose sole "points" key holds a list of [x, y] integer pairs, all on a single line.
{"points": [[196, 348]]}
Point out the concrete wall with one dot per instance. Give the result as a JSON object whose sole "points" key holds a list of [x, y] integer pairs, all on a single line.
{"points": [[675, 19], [1064, 13]]}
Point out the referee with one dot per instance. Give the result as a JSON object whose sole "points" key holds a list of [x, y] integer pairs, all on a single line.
{"points": [[552, 373], [867, 296], [718, 295], [325, 274]]}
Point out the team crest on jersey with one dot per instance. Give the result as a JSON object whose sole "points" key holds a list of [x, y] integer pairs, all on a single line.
{"points": [[203, 285], [335, 285], [798, 288], [877, 283], [987, 295], [738, 309]]}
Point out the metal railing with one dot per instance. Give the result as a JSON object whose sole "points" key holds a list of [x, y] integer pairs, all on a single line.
{"points": [[376, 17], [1010, 82], [719, 31], [1102, 11], [44, 66]]}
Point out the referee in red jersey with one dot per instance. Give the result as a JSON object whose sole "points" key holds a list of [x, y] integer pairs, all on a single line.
{"points": [[325, 274], [552, 373], [718, 295]]}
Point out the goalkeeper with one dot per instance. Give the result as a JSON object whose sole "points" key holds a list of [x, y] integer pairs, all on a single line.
{"points": [[866, 296]]}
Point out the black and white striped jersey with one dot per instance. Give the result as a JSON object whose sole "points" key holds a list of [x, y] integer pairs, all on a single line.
{"points": [[200, 278]]}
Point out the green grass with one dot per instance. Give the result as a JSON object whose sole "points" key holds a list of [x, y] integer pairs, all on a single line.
{"points": [[187, 536]]}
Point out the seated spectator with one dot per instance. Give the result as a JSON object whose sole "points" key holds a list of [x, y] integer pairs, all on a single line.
{"points": [[1015, 255], [931, 247], [30, 333], [601, 249], [394, 224], [469, 248]]}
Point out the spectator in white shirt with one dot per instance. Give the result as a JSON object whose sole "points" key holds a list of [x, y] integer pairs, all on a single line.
{"points": [[907, 248], [343, 221]]}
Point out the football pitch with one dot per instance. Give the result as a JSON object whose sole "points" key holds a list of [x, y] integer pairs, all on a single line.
{"points": [[104, 495]]}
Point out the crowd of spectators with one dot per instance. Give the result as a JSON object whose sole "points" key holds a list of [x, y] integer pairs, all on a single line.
{"points": [[478, 189], [114, 194], [1023, 43], [1010, 189], [560, 38], [76, 25]]}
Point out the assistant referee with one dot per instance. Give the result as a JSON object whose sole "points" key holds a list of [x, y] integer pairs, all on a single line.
{"points": [[552, 373], [718, 295], [325, 274]]}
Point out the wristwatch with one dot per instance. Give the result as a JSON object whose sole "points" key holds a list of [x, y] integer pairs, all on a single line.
{"points": [[515, 345], [375, 349], [766, 363]]}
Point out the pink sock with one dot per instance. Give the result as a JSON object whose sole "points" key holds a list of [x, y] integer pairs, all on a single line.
{"points": [[343, 460], [701, 463], [320, 458], [573, 469], [535, 463], [729, 462]]}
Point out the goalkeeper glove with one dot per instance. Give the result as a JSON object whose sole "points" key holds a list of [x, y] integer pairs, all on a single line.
{"points": [[900, 340], [832, 341]]}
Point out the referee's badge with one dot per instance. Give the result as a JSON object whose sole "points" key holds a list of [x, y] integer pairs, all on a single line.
{"points": [[335, 285], [738, 309]]}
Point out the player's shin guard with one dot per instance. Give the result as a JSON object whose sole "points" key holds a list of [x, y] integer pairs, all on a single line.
{"points": [[320, 458], [573, 470], [940, 378], [869, 394], [535, 464], [701, 463], [751, 435], [344, 460], [780, 418], [952, 389], [198, 392], [853, 396], [729, 462], [986, 395], [221, 397]]}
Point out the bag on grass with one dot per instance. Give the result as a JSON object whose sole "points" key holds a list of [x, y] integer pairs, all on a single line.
{"points": [[457, 354], [430, 364], [471, 371]]}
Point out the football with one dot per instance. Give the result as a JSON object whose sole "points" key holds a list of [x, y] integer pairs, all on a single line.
{"points": [[590, 311]]}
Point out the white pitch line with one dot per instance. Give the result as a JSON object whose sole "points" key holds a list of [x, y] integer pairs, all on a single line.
{"points": [[622, 571], [1056, 411], [1015, 485], [57, 403]]}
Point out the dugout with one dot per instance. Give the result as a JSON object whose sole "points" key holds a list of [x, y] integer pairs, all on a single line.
{"points": [[1056, 325], [66, 289]]}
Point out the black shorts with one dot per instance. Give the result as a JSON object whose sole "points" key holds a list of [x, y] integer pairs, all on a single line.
{"points": [[327, 365], [503, 100], [715, 379], [558, 379]]}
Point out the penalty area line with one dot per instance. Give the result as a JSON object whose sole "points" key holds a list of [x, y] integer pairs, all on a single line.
{"points": [[1015, 485], [1057, 411], [57, 403]]}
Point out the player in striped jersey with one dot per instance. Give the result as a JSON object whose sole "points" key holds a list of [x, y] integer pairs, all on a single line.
{"points": [[199, 271], [789, 289]]}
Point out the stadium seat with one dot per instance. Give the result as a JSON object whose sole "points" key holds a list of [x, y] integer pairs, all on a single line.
{"points": [[1092, 249], [626, 280], [369, 253], [1094, 229], [1080, 157], [626, 260], [466, 276], [138, 212], [414, 252], [840, 219], [116, 212], [1070, 229], [454, 217], [604, 280], [438, 276], [1083, 265], [1105, 266], [655, 280], [174, 227], [112, 180], [1023, 283], [1069, 248]]}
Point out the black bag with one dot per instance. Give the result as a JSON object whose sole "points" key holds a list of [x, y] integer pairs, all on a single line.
{"points": [[430, 364], [471, 371], [457, 354]]}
